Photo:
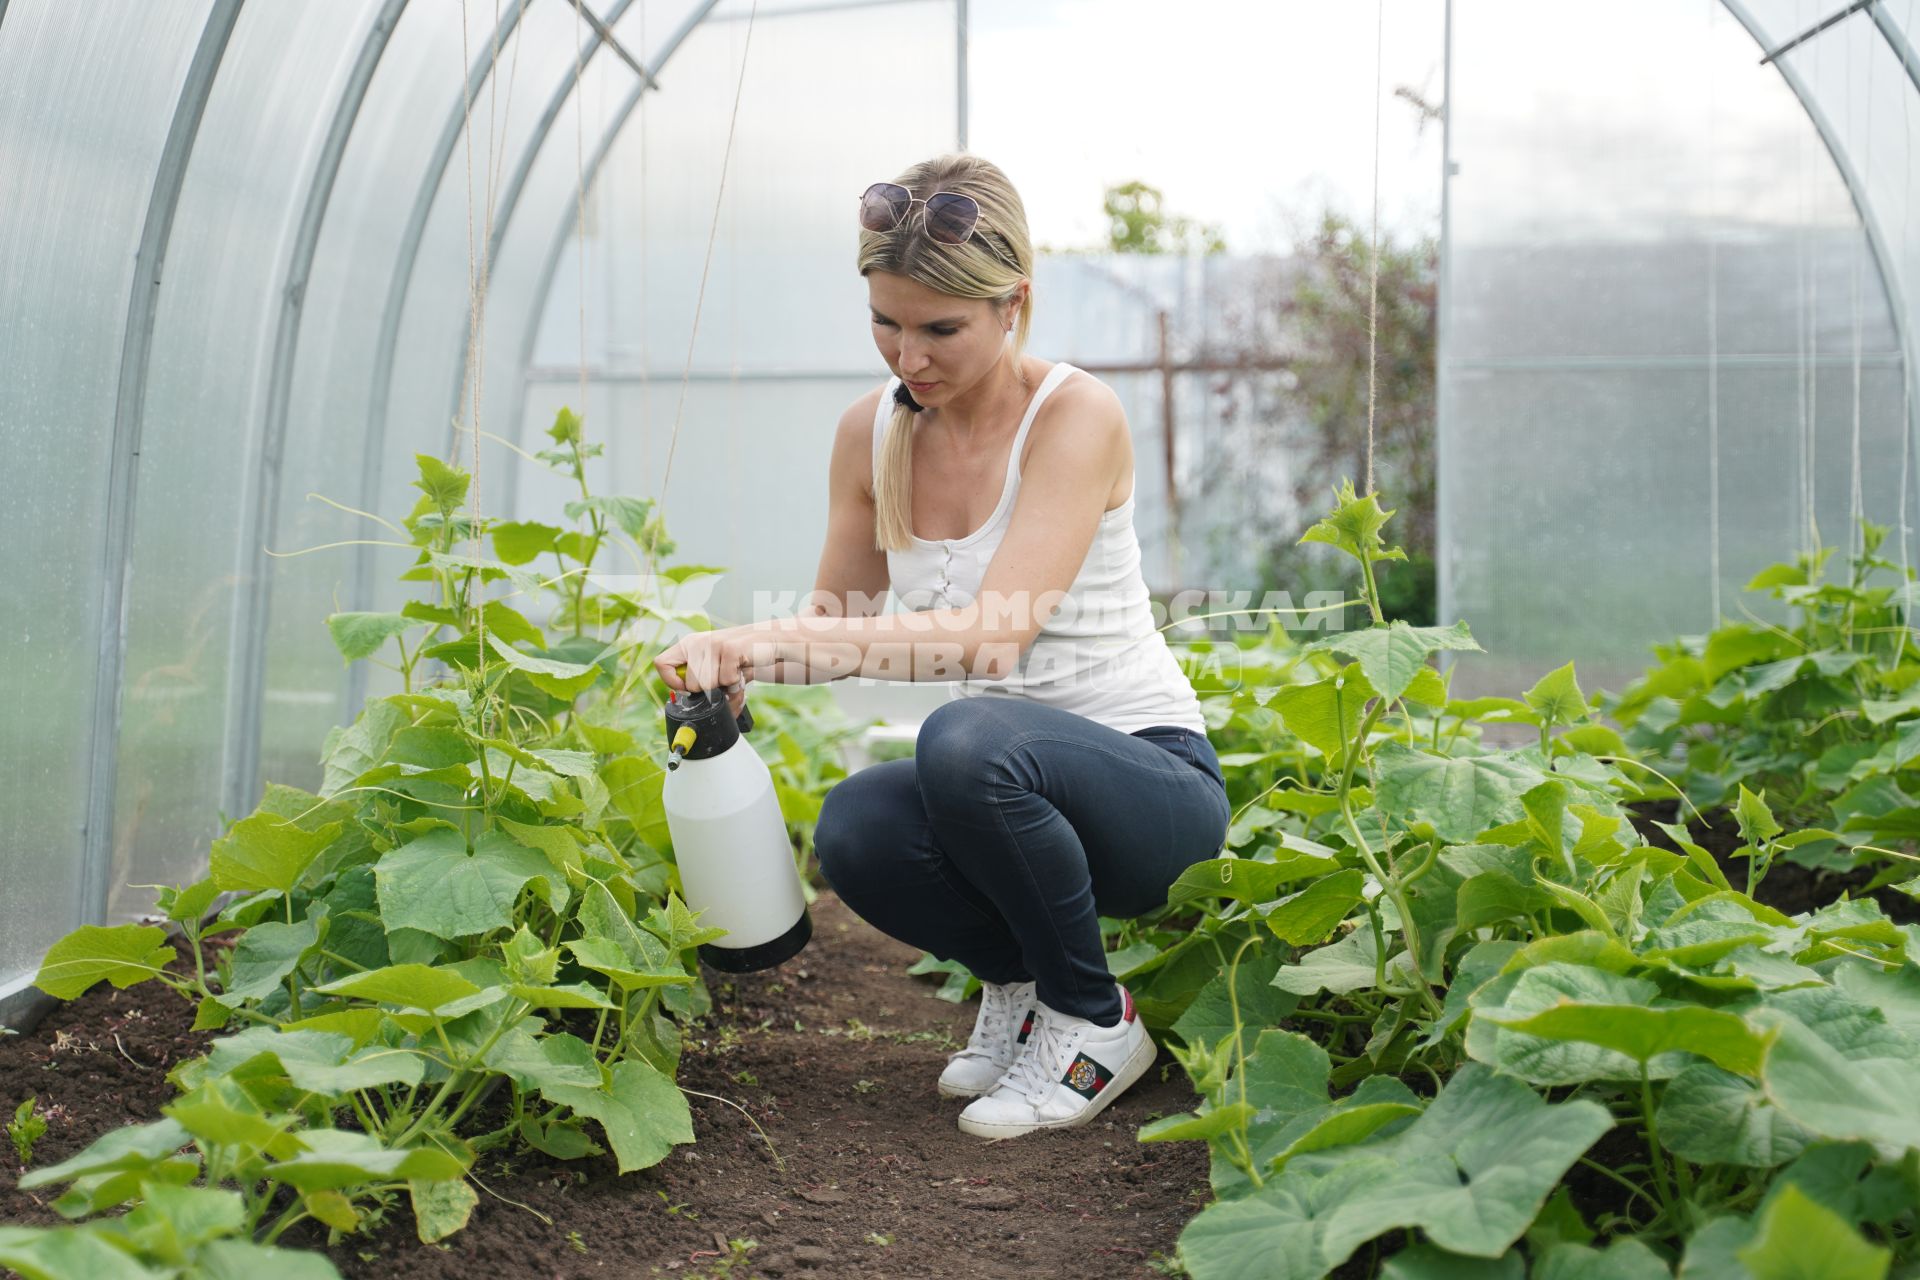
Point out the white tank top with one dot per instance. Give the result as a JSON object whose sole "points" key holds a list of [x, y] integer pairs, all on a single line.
{"points": [[1100, 654]]}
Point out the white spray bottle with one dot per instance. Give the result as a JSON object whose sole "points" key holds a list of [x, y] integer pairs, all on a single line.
{"points": [[729, 838]]}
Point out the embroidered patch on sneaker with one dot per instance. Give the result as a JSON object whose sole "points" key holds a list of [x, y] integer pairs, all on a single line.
{"points": [[1086, 1077]]}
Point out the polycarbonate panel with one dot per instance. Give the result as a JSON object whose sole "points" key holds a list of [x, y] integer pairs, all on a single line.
{"points": [[329, 431], [1590, 203], [85, 106], [206, 405], [782, 296]]}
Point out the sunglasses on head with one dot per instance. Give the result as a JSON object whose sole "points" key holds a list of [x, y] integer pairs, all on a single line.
{"points": [[951, 217]]}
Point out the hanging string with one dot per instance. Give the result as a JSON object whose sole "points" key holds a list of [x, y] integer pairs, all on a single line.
{"points": [[1803, 275], [713, 232], [1906, 369], [1713, 320], [580, 190], [1856, 501], [1813, 356], [476, 295], [1373, 249]]}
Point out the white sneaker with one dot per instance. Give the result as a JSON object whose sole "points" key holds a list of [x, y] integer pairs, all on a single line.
{"points": [[1070, 1070], [999, 1032]]}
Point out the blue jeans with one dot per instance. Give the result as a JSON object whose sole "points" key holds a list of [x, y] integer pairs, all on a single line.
{"points": [[1013, 828]]}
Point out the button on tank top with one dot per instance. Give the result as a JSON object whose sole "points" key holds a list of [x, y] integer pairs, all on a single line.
{"points": [[1100, 654]]}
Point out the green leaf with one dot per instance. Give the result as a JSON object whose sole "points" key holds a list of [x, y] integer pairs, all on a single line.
{"points": [[1424, 1262], [511, 625], [643, 1113], [1839, 1069], [1210, 1123], [1461, 797], [122, 954], [605, 956], [562, 1139], [1710, 1116], [441, 1208], [1343, 1126], [1797, 1238], [67, 1253], [445, 486], [245, 1260], [1244, 879], [1757, 825], [1556, 698], [1209, 1019], [1394, 655], [1514, 998], [338, 1158], [1644, 1034], [133, 1147], [1327, 713], [1339, 967], [265, 955], [629, 515], [360, 635], [189, 906], [267, 852], [220, 1112], [521, 541], [1309, 916], [1625, 1260], [434, 885], [411, 986], [172, 1222], [1353, 525], [320, 1061], [563, 680]]}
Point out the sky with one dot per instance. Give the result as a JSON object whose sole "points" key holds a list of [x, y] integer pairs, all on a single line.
{"points": [[1245, 113]]}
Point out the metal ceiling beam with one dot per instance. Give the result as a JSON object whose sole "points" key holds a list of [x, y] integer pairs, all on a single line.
{"points": [[247, 685], [19, 998], [604, 31], [386, 342], [1895, 37]]}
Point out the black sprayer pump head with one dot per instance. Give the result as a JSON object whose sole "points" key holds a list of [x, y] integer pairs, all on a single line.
{"points": [[714, 728]]}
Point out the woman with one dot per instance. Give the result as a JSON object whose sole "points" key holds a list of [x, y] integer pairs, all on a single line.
{"points": [[1070, 775]]}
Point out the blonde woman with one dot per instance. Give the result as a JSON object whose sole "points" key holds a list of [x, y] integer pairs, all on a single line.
{"points": [[1069, 776]]}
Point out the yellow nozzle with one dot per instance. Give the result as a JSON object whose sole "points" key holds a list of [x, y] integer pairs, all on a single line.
{"points": [[683, 738]]}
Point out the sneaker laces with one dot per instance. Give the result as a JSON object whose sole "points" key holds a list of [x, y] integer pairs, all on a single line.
{"points": [[993, 1030], [1039, 1067]]}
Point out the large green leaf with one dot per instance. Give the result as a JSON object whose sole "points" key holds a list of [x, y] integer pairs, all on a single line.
{"points": [[1556, 697], [445, 486], [133, 1147], [172, 1222], [1839, 1069], [245, 1260], [1392, 656], [1338, 967], [411, 986], [1625, 1260], [265, 955], [434, 885], [1424, 1262], [1644, 1034], [1494, 1038], [1471, 1172], [441, 1208], [1354, 525], [1460, 796], [267, 852], [643, 1112], [122, 954], [320, 1061], [1245, 879], [634, 784], [1711, 1116], [605, 956], [563, 680], [1797, 1238], [360, 635], [67, 1253], [1209, 1019], [1327, 713], [1316, 911], [339, 1158]]}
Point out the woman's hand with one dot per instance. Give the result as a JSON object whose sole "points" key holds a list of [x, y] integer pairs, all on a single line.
{"points": [[723, 659]]}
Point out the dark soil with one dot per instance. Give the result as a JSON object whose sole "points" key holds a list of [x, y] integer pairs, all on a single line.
{"points": [[1787, 887], [835, 1054]]}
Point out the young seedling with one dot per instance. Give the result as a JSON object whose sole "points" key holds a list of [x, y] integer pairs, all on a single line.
{"points": [[26, 1128]]}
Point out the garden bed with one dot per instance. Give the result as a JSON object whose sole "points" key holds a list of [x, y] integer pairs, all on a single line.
{"points": [[834, 1054]]}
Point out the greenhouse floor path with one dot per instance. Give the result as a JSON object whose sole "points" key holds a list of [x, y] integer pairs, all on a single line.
{"points": [[834, 1054]]}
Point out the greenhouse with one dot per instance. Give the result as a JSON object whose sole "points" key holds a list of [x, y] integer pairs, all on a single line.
{"points": [[1390, 758]]}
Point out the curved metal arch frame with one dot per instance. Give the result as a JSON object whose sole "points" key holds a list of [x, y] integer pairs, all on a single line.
{"points": [[18, 999], [248, 685], [1856, 188]]}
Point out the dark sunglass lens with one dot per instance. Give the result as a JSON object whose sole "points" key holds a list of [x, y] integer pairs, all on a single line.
{"points": [[950, 218], [883, 205]]}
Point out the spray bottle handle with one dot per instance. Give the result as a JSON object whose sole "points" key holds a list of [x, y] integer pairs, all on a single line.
{"points": [[743, 721]]}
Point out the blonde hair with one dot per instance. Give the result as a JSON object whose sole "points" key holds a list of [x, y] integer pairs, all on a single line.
{"points": [[990, 265]]}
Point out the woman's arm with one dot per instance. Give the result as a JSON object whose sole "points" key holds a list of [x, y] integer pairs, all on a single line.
{"points": [[1081, 447]]}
